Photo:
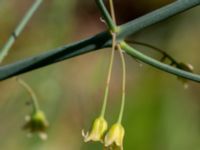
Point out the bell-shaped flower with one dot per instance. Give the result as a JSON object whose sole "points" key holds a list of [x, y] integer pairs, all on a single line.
{"points": [[97, 132], [115, 136], [37, 123]]}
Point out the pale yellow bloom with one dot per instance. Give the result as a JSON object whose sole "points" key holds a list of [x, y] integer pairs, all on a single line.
{"points": [[98, 129], [115, 136]]}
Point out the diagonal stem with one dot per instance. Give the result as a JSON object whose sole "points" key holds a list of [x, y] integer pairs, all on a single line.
{"points": [[4, 51], [156, 16], [106, 16], [167, 68], [165, 55]]}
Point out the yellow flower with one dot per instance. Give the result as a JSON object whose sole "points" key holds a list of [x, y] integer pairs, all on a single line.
{"points": [[98, 129], [115, 136], [37, 123]]}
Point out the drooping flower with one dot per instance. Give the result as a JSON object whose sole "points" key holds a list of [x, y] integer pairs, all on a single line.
{"points": [[115, 136], [37, 123], [98, 129]]}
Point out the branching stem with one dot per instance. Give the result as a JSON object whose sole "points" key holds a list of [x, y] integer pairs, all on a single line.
{"points": [[167, 68], [106, 16], [103, 40]]}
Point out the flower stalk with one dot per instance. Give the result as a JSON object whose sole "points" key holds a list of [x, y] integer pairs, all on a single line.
{"points": [[108, 77], [123, 84], [30, 91], [112, 54]]}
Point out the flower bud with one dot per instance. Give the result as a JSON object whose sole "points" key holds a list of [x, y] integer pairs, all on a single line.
{"points": [[185, 67], [98, 129], [37, 123]]}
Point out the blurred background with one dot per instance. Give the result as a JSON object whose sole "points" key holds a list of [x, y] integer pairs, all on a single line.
{"points": [[159, 113]]}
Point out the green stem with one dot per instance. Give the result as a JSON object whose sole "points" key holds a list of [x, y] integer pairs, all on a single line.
{"points": [[112, 10], [167, 68], [4, 51], [123, 84], [156, 49], [167, 11], [108, 77], [31, 93], [110, 64], [106, 16]]}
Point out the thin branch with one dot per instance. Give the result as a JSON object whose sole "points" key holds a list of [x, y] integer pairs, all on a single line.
{"points": [[164, 54], [167, 68], [4, 51], [91, 44], [156, 16], [106, 15], [96, 42]]}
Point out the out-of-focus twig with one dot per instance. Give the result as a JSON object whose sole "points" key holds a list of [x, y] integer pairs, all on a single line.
{"points": [[5, 49]]}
